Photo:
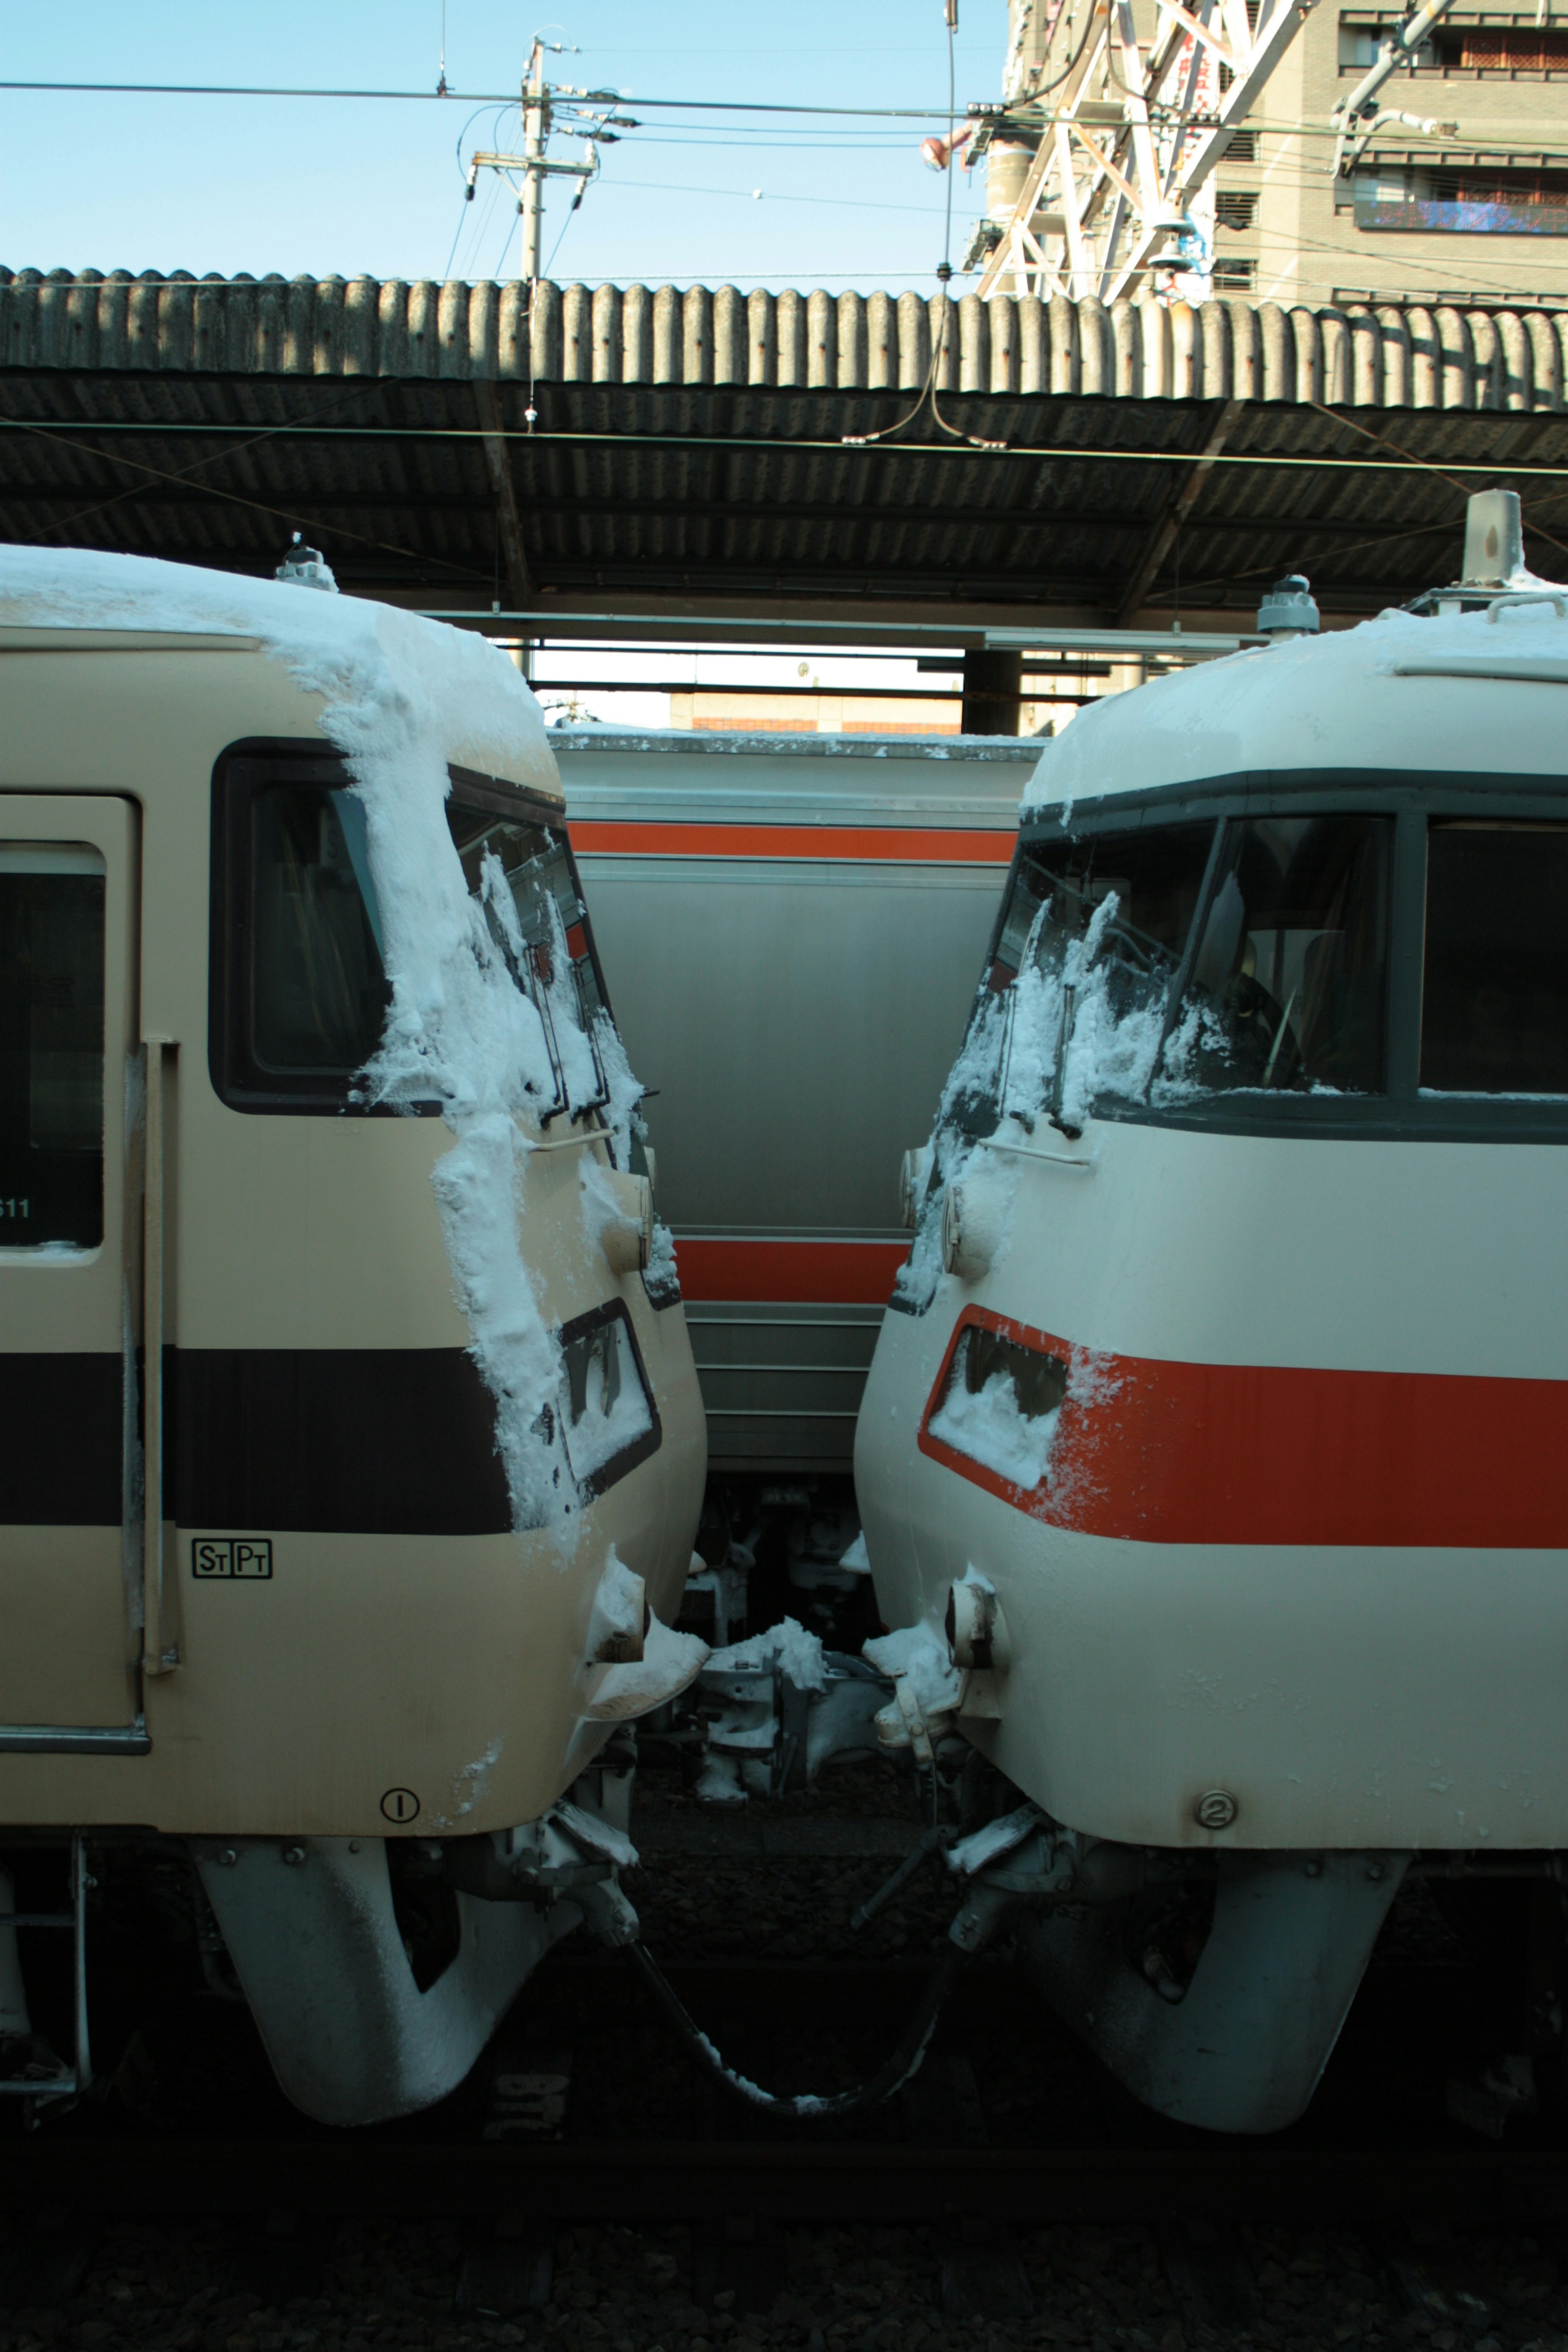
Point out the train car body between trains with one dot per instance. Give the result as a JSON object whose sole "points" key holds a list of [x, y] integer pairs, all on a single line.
{"points": [[351, 1449], [831, 896], [1213, 1457]]}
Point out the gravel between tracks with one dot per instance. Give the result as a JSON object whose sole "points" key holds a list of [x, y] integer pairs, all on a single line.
{"points": [[863, 2290], [780, 1905]]}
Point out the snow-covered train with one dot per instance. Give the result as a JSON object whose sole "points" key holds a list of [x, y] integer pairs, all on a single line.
{"points": [[1213, 1456], [351, 1447]]}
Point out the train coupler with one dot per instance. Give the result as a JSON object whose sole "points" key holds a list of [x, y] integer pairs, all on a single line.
{"points": [[778, 1708]]}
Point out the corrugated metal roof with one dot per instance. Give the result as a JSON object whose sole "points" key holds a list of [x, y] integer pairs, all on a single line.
{"points": [[1398, 355], [704, 450]]}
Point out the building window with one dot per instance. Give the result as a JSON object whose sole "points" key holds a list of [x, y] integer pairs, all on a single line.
{"points": [[1501, 49], [1471, 201], [1233, 208], [1460, 49], [1242, 148], [1360, 45], [1235, 277]]}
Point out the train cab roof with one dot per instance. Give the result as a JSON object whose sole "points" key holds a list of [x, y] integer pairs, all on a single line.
{"points": [[366, 678], [1393, 699]]}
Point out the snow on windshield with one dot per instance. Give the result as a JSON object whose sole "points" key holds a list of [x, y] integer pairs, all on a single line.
{"points": [[988, 1425], [1085, 1020], [401, 697]]}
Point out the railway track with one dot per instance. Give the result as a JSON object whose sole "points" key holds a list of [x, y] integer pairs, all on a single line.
{"points": [[644, 2182], [1376, 2149]]}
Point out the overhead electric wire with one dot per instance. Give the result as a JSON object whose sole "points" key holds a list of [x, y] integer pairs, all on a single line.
{"points": [[769, 196], [995, 451], [84, 514], [481, 98], [258, 505]]}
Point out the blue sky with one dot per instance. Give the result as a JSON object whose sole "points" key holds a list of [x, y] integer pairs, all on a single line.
{"points": [[211, 183]]}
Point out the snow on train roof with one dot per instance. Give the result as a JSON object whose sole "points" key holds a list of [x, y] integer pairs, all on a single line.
{"points": [[1397, 692], [402, 698], [347, 649]]}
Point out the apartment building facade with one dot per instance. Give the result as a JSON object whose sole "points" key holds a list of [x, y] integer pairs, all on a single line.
{"points": [[1472, 210], [1478, 212]]}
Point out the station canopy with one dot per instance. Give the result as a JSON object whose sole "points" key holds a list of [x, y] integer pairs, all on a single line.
{"points": [[627, 461]]}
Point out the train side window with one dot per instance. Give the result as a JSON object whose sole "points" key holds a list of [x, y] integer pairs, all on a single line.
{"points": [[51, 1044], [1494, 1012], [318, 992], [610, 1421], [1290, 970]]}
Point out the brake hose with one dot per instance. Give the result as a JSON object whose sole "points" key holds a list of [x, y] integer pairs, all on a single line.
{"points": [[895, 2071]]}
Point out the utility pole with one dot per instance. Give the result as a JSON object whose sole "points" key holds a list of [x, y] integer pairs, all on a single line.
{"points": [[589, 117], [536, 133]]}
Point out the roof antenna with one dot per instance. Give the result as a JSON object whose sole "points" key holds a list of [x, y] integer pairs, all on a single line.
{"points": [[1494, 540], [1289, 610], [441, 85], [305, 567], [1495, 572]]}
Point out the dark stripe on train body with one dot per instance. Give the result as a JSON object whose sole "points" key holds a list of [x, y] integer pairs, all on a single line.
{"points": [[348, 1440], [61, 1440], [339, 1441]]}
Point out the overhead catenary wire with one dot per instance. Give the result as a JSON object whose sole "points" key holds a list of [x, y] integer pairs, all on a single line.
{"points": [[927, 395], [481, 98], [961, 452]]}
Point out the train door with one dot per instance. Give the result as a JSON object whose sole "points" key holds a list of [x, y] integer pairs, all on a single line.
{"points": [[70, 1123]]}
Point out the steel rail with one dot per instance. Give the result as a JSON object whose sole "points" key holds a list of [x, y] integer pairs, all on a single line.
{"points": [[661, 2181]]}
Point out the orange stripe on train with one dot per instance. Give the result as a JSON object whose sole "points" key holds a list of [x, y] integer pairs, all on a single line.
{"points": [[844, 1274], [1162, 1452], [903, 846]]}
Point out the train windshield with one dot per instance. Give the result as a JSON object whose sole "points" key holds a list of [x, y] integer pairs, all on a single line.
{"points": [[304, 991], [524, 877], [319, 993], [1182, 961], [1495, 997]]}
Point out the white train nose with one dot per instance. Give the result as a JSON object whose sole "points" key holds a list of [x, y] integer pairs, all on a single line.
{"points": [[975, 1218]]}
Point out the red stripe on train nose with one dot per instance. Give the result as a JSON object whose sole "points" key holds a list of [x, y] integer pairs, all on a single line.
{"points": [[1164, 1452]]}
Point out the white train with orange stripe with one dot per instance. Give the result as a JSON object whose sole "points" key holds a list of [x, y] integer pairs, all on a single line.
{"points": [[1213, 1457]]}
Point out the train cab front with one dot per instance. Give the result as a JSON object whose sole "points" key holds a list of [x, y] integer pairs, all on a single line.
{"points": [[353, 1449], [1211, 1457]]}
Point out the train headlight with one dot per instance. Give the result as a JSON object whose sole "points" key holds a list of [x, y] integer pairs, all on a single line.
{"points": [[914, 1175], [974, 1226], [626, 1239], [976, 1627]]}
